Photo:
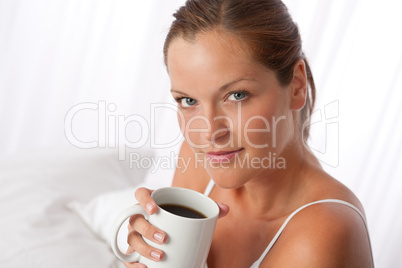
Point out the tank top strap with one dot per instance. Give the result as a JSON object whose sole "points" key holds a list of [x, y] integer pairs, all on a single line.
{"points": [[271, 244], [209, 188]]}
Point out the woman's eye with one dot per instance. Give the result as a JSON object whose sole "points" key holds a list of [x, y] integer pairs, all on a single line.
{"points": [[187, 102], [237, 96]]}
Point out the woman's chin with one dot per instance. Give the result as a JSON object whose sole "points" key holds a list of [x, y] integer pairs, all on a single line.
{"points": [[226, 179]]}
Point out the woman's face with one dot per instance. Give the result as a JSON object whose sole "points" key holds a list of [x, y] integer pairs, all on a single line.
{"points": [[232, 111]]}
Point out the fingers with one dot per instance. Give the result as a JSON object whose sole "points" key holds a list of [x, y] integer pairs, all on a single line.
{"points": [[223, 210], [143, 196], [139, 224], [140, 228], [136, 243], [133, 264]]}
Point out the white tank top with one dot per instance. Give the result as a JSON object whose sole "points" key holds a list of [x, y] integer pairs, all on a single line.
{"points": [[257, 263]]}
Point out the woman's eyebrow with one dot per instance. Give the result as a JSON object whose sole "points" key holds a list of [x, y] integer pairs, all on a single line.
{"points": [[222, 88], [177, 91], [226, 86]]}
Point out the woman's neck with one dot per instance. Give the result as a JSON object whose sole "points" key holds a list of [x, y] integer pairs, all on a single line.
{"points": [[275, 192]]}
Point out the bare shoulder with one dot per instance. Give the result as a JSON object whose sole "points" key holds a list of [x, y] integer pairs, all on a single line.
{"points": [[324, 235], [190, 173]]}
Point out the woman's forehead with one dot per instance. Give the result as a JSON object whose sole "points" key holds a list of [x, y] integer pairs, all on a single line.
{"points": [[210, 52], [206, 66], [215, 43]]}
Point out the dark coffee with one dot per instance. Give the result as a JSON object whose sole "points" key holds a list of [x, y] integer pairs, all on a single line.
{"points": [[182, 211]]}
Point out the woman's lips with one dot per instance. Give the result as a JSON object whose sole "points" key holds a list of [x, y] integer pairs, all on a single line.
{"points": [[222, 156]]}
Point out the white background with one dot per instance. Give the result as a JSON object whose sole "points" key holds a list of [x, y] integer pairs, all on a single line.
{"points": [[57, 54]]}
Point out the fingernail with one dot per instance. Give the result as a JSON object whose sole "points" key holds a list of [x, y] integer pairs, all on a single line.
{"points": [[149, 207], [155, 255], [159, 237]]}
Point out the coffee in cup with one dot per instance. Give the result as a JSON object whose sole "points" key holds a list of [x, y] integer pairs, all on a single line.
{"points": [[188, 218]]}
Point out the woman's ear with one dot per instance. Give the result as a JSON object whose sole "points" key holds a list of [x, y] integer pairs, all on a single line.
{"points": [[299, 86]]}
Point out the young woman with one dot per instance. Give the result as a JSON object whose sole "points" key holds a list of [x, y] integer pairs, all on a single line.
{"points": [[245, 93]]}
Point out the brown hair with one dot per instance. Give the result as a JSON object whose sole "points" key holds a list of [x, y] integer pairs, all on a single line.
{"points": [[265, 26]]}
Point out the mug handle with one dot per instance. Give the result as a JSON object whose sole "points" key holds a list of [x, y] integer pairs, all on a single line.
{"points": [[133, 210]]}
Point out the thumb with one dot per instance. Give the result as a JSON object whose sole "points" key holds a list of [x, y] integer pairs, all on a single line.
{"points": [[223, 209]]}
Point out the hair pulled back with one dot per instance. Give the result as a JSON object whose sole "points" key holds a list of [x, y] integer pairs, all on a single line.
{"points": [[265, 26]]}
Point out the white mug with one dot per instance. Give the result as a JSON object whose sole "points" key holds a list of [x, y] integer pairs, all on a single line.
{"points": [[188, 240]]}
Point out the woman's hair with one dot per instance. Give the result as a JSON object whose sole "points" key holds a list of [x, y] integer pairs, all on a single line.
{"points": [[265, 26]]}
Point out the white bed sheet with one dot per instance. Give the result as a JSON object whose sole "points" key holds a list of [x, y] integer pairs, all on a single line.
{"points": [[37, 229]]}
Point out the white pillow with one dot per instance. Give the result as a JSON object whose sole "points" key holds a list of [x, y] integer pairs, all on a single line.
{"points": [[36, 226], [100, 212]]}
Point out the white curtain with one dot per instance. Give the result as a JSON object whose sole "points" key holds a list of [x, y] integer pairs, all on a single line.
{"points": [[91, 63]]}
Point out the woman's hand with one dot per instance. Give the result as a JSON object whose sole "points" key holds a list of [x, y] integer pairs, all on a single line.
{"points": [[138, 227]]}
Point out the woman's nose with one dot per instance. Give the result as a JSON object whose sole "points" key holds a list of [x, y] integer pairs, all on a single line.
{"points": [[218, 129]]}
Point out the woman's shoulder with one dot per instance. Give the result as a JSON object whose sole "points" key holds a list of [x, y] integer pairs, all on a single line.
{"points": [[327, 187], [189, 172], [335, 208], [325, 234]]}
